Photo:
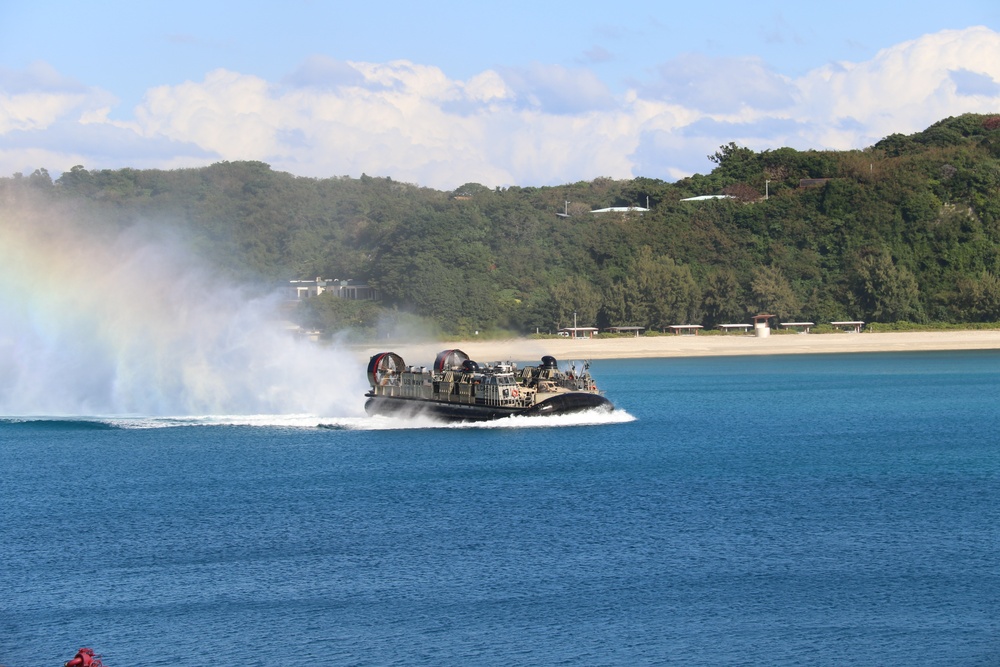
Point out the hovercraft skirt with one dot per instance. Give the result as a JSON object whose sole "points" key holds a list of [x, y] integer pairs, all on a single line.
{"points": [[456, 412]]}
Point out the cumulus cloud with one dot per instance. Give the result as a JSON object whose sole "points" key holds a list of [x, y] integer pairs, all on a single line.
{"points": [[840, 106], [38, 96], [717, 85], [37, 78], [104, 143], [903, 88], [534, 125], [325, 72], [557, 89]]}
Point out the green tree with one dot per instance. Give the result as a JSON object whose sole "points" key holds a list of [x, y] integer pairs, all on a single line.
{"points": [[721, 299], [770, 292], [980, 297], [576, 295], [660, 292], [40, 179], [736, 163], [614, 306], [885, 291]]}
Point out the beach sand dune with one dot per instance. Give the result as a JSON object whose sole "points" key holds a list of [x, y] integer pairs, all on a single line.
{"points": [[525, 349]]}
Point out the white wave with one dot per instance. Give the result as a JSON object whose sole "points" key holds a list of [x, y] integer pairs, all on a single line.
{"points": [[595, 417], [263, 421]]}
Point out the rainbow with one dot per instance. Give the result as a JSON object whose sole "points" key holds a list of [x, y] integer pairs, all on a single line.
{"points": [[102, 321]]}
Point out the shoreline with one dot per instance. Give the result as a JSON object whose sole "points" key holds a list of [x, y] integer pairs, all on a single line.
{"points": [[651, 347]]}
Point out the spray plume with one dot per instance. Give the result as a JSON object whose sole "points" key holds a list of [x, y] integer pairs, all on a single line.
{"points": [[98, 321]]}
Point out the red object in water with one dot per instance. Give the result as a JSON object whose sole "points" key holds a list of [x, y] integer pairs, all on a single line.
{"points": [[85, 658]]}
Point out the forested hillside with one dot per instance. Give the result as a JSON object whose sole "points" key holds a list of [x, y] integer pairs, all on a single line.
{"points": [[908, 229]]}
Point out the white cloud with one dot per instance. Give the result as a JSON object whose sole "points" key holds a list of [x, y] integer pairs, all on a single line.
{"points": [[841, 106], [903, 89], [716, 85], [38, 96], [38, 77], [542, 124], [229, 114], [487, 87], [557, 89], [325, 72], [31, 111]]}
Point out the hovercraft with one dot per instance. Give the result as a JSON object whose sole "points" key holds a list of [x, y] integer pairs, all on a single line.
{"points": [[456, 388]]}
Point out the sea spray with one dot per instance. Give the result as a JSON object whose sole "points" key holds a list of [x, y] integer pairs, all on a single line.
{"points": [[101, 321]]}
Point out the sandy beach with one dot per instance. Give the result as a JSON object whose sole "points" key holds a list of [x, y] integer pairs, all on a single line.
{"points": [[523, 349]]}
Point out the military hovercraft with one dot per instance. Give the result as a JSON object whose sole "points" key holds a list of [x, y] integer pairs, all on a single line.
{"points": [[457, 388]]}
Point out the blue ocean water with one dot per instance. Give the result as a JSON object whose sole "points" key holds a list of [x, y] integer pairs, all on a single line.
{"points": [[820, 510]]}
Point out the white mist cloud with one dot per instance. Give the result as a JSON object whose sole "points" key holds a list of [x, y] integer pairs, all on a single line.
{"points": [[537, 125], [127, 323]]}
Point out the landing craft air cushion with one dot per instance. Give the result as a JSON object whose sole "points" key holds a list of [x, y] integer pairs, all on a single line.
{"points": [[457, 388]]}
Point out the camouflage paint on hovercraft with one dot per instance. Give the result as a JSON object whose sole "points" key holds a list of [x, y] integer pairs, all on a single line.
{"points": [[457, 388]]}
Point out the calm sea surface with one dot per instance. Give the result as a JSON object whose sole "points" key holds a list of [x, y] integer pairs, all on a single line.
{"points": [[814, 510]]}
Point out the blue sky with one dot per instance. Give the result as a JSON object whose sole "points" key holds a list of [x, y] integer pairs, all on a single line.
{"points": [[444, 93]]}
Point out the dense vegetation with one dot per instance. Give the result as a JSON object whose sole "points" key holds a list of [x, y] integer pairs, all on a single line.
{"points": [[906, 230]]}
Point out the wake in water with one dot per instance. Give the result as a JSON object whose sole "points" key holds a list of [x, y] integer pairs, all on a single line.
{"points": [[587, 418], [138, 423], [300, 421]]}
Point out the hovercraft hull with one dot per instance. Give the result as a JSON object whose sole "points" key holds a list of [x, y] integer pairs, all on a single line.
{"points": [[562, 404]]}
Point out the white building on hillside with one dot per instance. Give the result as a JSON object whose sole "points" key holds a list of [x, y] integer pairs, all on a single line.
{"points": [[621, 209], [345, 289]]}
